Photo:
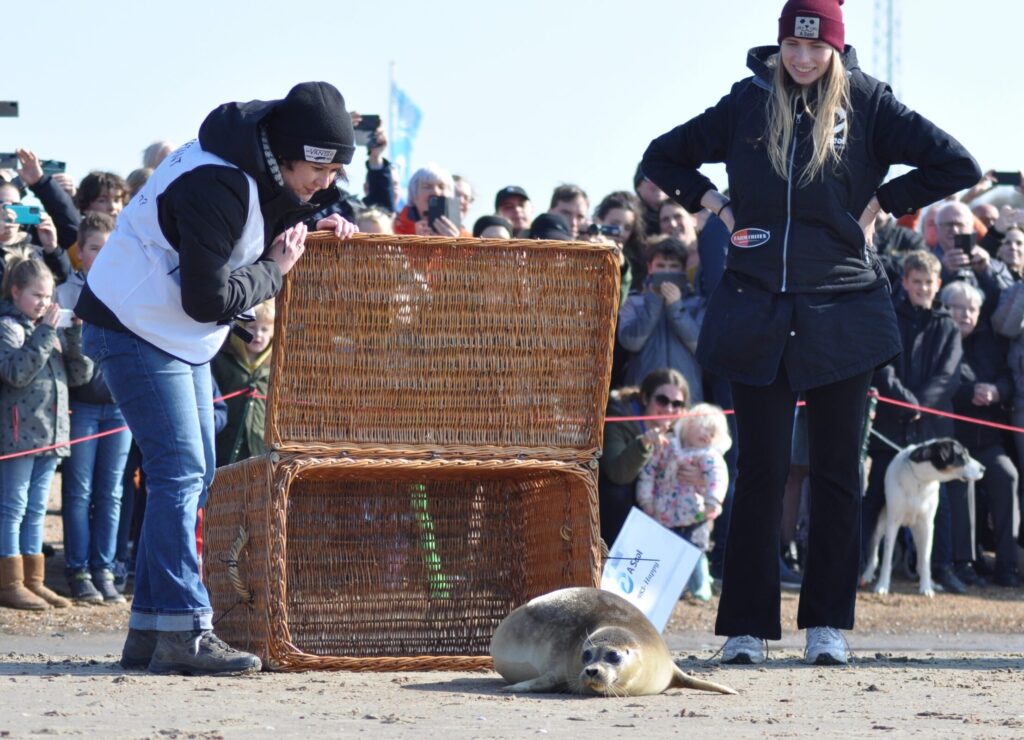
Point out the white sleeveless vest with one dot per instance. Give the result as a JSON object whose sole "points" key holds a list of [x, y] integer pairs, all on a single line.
{"points": [[136, 273]]}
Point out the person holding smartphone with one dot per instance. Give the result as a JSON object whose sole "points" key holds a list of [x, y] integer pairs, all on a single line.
{"points": [[658, 325], [210, 235], [803, 306]]}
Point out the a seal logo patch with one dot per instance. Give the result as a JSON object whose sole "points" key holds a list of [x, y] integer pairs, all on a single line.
{"points": [[750, 238], [807, 27]]}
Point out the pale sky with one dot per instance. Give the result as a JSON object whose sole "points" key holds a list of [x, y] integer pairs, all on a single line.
{"points": [[529, 93]]}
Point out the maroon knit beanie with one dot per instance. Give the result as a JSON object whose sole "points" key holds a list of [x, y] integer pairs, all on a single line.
{"points": [[814, 19]]}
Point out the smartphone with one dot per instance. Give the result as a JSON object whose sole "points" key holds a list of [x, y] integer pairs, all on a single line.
{"points": [[64, 318], [364, 131], [8, 109], [964, 242], [1007, 178], [27, 215], [439, 205], [53, 166], [9, 161], [676, 278]]}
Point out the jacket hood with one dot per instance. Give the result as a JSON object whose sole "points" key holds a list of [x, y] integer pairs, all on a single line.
{"points": [[232, 131], [757, 62]]}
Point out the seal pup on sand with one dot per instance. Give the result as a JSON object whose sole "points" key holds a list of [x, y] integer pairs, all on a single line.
{"points": [[586, 641]]}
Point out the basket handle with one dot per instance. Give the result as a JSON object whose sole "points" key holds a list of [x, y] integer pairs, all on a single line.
{"points": [[232, 563]]}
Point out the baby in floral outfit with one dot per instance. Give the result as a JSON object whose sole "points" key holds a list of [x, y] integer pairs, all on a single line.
{"points": [[701, 437]]}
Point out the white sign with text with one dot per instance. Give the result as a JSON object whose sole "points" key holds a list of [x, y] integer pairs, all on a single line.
{"points": [[649, 566]]}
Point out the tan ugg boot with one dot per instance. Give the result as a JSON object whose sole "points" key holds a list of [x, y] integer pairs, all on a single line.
{"points": [[13, 593], [35, 570]]}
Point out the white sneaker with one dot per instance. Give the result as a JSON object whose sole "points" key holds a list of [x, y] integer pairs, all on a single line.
{"points": [[826, 646], [744, 650]]}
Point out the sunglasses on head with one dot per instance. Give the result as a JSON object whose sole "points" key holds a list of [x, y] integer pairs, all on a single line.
{"points": [[663, 400]]}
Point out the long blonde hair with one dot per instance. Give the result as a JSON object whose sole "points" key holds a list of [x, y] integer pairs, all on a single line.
{"points": [[832, 94]]}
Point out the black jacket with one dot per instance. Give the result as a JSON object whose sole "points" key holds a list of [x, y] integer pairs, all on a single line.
{"points": [[807, 239], [984, 361], [926, 374]]}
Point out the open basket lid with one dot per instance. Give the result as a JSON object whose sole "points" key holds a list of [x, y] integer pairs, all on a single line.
{"points": [[441, 346]]}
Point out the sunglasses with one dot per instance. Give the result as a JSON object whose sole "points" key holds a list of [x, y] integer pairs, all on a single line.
{"points": [[662, 400]]}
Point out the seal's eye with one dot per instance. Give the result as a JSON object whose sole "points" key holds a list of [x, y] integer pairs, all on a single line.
{"points": [[612, 658], [587, 656]]}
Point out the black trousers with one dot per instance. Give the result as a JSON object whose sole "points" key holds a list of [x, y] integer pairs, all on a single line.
{"points": [[750, 600]]}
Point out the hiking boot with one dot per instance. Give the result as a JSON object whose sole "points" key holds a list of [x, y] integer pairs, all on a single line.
{"points": [[198, 654], [120, 571], [103, 580], [82, 590], [13, 593], [966, 573], [138, 649], [744, 650], [35, 570], [826, 646], [948, 581]]}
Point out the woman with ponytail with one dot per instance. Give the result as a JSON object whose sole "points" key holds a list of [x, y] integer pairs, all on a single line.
{"points": [[804, 306]]}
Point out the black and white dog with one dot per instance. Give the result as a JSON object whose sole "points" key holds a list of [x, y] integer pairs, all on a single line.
{"points": [[911, 498]]}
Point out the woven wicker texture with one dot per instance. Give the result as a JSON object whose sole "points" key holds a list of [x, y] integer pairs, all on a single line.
{"points": [[463, 348], [392, 564]]}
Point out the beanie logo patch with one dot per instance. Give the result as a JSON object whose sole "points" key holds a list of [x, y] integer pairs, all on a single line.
{"points": [[807, 27], [319, 154]]}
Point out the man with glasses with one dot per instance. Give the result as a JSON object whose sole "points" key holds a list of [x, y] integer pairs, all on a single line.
{"points": [[968, 262]]}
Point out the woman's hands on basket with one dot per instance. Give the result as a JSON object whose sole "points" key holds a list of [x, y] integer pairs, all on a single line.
{"points": [[338, 225], [289, 246]]}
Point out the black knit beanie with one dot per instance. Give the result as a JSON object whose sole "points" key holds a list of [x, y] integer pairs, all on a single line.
{"points": [[312, 125]]}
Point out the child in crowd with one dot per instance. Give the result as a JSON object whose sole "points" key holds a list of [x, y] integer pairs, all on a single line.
{"points": [[245, 365], [91, 477], [702, 436], [38, 362], [375, 221]]}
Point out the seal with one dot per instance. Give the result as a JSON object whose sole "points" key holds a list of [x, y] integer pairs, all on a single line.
{"points": [[586, 641]]}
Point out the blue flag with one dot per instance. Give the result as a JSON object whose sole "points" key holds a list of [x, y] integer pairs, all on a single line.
{"points": [[404, 123]]}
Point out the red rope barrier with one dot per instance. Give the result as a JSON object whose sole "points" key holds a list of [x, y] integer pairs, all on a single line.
{"points": [[260, 396]]}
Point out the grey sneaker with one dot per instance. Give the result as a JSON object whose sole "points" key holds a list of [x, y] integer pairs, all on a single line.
{"points": [[198, 654], [744, 650], [826, 646], [138, 649], [103, 580], [82, 589]]}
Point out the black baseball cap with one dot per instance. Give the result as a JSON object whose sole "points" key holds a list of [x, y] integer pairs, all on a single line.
{"points": [[507, 192]]}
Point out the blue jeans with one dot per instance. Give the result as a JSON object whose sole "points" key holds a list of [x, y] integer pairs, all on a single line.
{"points": [[91, 478], [24, 491], [168, 405]]}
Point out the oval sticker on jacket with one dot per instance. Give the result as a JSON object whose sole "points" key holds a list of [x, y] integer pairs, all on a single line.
{"points": [[750, 238]]}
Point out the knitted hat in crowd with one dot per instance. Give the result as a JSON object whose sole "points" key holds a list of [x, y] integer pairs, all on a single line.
{"points": [[312, 125], [550, 226], [814, 19], [485, 222]]}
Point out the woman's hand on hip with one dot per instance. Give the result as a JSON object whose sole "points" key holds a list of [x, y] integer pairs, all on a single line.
{"points": [[867, 220], [288, 247]]}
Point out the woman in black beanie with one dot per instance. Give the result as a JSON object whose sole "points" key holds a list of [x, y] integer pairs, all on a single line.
{"points": [[803, 307], [209, 236]]}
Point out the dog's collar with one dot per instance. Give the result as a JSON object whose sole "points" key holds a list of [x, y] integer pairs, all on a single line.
{"points": [[910, 466]]}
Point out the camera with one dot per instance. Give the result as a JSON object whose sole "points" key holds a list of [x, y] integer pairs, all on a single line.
{"points": [[364, 130], [64, 318], [964, 242], [604, 230], [25, 215]]}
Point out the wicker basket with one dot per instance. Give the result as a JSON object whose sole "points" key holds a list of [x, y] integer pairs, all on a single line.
{"points": [[462, 348], [375, 564]]}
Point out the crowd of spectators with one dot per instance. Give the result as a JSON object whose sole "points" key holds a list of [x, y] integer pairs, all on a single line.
{"points": [[957, 276]]}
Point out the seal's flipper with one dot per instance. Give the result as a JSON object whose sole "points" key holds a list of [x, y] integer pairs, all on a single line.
{"points": [[549, 682], [686, 681]]}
